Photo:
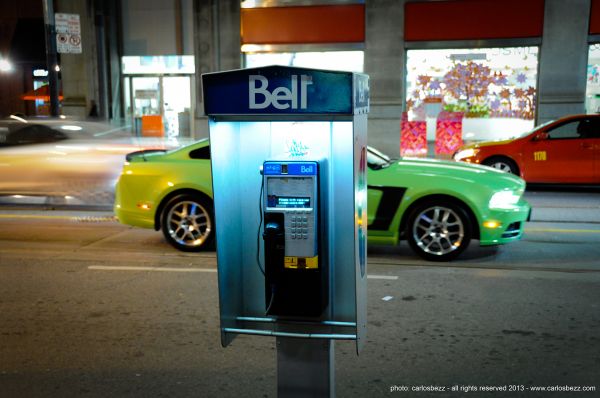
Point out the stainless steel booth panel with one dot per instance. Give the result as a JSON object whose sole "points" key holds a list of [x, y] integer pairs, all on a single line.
{"points": [[243, 147]]}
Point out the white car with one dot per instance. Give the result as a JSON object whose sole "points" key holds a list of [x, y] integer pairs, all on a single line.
{"points": [[61, 157]]}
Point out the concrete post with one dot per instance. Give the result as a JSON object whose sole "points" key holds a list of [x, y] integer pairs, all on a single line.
{"points": [[385, 63], [79, 71], [216, 45], [563, 59]]}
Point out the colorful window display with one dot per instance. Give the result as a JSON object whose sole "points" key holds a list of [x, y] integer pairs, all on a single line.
{"points": [[494, 88], [592, 92], [448, 132], [413, 137]]}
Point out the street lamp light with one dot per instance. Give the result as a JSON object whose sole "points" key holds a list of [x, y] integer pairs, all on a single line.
{"points": [[5, 65]]}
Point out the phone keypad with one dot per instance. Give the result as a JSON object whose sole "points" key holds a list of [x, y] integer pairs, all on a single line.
{"points": [[299, 227]]}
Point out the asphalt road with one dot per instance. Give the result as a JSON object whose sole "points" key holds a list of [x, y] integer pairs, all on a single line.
{"points": [[92, 308]]}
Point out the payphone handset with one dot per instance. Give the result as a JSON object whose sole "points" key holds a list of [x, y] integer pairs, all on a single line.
{"points": [[295, 284]]}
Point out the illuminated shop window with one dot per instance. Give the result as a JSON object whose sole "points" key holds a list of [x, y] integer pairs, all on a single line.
{"points": [[133, 65], [494, 88], [161, 87], [349, 61], [592, 92]]}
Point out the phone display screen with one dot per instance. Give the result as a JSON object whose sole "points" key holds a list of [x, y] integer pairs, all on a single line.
{"points": [[288, 202]]}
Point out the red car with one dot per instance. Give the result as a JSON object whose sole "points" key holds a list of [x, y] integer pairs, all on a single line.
{"points": [[563, 151]]}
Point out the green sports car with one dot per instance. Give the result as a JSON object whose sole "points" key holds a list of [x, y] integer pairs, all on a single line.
{"points": [[437, 206]]}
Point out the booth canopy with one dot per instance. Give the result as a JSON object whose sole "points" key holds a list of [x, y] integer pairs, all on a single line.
{"points": [[283, 90]]}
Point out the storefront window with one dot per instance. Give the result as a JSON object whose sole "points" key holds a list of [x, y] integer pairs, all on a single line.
{"points": [[592, 92], [158, 64], [493, 89], [349, 61], [158, 94]]}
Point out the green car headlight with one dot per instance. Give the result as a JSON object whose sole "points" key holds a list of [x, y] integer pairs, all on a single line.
{"points": [[504, 199], [465, 154]]}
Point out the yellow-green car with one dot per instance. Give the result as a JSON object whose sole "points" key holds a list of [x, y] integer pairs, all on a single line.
{"points": [[437, 206]]}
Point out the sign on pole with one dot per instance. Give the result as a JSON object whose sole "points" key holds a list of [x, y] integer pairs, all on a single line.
{"points": [[68, 33]]}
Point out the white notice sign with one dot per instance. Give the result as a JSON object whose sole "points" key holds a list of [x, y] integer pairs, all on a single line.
{"points": [[68, 33]]}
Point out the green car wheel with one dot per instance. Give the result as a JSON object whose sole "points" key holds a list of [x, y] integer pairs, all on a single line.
{"points": [[187, 223], [439, 232]]}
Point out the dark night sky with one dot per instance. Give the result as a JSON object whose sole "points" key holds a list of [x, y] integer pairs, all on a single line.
{"points": [[28, 44]]}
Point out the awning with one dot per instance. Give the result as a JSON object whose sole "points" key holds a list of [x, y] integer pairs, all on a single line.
{"points": [[41, 93]]}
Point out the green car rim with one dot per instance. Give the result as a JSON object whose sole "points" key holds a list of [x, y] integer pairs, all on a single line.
{"points": [[188, 223], [438, 231]]}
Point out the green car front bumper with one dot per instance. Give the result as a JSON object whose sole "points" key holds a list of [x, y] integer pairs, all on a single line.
{"points": [[501, 226]]}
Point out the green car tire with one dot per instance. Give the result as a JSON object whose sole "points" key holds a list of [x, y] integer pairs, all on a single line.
{"points": [[188, 223], [439, 231]]}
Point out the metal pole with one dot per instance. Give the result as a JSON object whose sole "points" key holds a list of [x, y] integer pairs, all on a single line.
{"points": [[305, 368], [51, 57]]}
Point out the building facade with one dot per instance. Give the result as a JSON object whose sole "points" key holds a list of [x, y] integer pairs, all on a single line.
{"points": [[504, 67]]}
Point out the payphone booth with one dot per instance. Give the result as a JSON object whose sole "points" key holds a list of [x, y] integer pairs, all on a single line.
{"points": [[288, 156]]}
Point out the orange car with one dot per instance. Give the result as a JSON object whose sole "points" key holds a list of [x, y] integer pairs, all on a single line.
{"points": [[563, 151]]}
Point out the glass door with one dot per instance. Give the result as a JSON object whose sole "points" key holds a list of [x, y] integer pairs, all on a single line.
{"points": [[146, 96], [145, 99], [169, 97]]}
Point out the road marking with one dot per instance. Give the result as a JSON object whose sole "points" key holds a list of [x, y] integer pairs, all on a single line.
{"points": [[384, 277], [152, 269], [484, 266], [566, 231], [171, 269]]}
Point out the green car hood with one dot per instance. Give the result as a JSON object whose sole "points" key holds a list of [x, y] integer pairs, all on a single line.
{"points": [[408, 171]]}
